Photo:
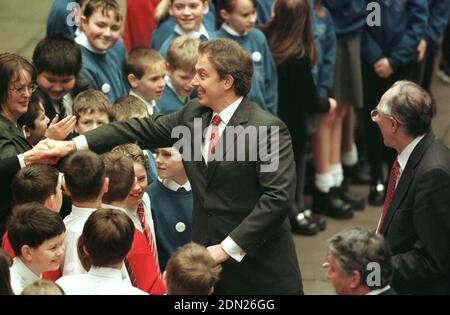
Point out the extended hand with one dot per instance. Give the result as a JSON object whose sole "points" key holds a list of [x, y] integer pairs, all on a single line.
{"points": [[60, 130], [383, 68], [218, 253], [59, 149], [38, 155]]}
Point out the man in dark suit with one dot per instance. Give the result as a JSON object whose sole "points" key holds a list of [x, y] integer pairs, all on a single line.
{"points": [[359, 263], [416, 216], [242, 196]]}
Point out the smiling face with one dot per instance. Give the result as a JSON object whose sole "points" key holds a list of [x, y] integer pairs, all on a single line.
{"points": [[138, 190], [102, 29], [182, 81], [189, 13], [151, 85], [55, 86], [243, 17], [19, 93], [48, 255]]}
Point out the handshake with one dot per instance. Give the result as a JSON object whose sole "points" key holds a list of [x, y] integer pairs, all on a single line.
{"points": [[48, 151]]}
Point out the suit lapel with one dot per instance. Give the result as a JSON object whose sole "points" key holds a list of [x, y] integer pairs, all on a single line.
{"points": [[240, 117], [406, 179]]}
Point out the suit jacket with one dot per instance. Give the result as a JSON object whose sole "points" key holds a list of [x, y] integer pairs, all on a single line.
{"points": [[417, 224], [12, 142], [231, 198]]}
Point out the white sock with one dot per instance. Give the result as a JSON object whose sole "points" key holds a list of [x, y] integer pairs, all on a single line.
{"points": [[324, 182], [337, 173], [350, 158]]}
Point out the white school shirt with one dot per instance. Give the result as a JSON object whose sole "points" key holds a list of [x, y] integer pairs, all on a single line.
{"points": [[150, 106], [98, 281], [21, 276], [74, 228], [148, 216], [173, 185]]}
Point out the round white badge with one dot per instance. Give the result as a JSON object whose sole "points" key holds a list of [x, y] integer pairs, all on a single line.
{"points": [[106, 88], [180, 227], [256, 56]]}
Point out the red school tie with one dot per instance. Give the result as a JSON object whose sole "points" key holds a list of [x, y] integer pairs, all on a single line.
{"points": [[390, 193], [148, 234], [214, 135]]}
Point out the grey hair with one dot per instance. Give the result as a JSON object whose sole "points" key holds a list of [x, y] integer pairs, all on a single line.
{"points": [[355, 248], [411, 106]]}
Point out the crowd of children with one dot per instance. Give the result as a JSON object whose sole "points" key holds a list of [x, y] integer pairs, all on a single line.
{"points": [[316, 64]]}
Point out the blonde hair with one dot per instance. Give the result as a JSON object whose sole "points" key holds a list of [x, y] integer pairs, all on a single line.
{"points": [[90, 101], [43, 287], [129, 106], [183, 53]]}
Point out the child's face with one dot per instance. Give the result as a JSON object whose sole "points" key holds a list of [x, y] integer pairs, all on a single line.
{"points": [[168, 163], [48, 255], [102, 31], [189, 13], [36, 134], [243, 17], [55, 86], [182, 81], [90, 120], [151, 85], [140, 186]]}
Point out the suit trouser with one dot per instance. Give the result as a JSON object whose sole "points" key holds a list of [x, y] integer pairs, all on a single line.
{"points": [[374, 88]]}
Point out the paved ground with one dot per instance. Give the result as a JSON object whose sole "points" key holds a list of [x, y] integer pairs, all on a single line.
{"points": [[22, 24]]}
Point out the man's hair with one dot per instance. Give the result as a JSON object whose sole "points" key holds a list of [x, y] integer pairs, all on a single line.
{"points": [[191, 270], [34, 183], [139, 60], [129, 106], [43, 287], [33, 110], [229, 58], [229, 6], [412, 106], [133, 151], [58, 55], [119, 170], [84, 174], [106, 239], [90, 101], [355, 248], [10, 67], [105, 5], [32, 224], [182, 53]]}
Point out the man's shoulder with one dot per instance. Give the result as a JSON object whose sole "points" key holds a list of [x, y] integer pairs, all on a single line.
{"points": [[436, 156]]}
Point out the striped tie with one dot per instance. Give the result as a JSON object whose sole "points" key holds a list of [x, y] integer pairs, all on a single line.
{"points": [[148, 234]]}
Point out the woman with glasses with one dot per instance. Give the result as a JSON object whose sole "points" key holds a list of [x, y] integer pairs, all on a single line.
{"points": [[17, 83]]}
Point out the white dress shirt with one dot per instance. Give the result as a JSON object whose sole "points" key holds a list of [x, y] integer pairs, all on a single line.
{"points": [[150, 106], [21, 276], [74, 228], [98, 281]]}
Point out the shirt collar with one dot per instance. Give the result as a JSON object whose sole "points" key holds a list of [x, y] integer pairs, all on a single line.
{"points": [[25, 272], [108, 206], [82, 40], [169, 83], [227, 113], [192, 34], [406, 153], [231, 31], [82, 212], [150, 106], [173, 185], [379, 291], [105, 272]]}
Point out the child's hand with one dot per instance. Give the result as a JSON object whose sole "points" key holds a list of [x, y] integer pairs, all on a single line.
{"points": [[60, 130]]}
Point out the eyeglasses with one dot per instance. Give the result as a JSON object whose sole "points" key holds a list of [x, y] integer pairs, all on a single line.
{"points": [[21, 90], [374, 113]]}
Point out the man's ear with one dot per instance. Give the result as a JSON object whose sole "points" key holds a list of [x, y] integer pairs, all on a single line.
{"points": [[26, 130], [224, 14], [66, 190], [394, 125], [25, 252], [132, 80], [228, 82], [355, 280], [105, 185], [83, 22], [206, 5], [211, 291], [48, 202]]}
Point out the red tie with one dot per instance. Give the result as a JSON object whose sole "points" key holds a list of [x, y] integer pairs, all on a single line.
{"points": [[214, 135], [390, 193], [130, 272], [147, 234]]}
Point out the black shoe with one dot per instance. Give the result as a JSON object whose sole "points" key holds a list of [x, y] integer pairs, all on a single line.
{"points": [[377, 194], [355, 200], [321, 222], [357, 174], [303, 225], [331, 205]]}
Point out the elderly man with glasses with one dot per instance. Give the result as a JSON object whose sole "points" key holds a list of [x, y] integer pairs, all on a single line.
{"points": [[415, 219]]}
